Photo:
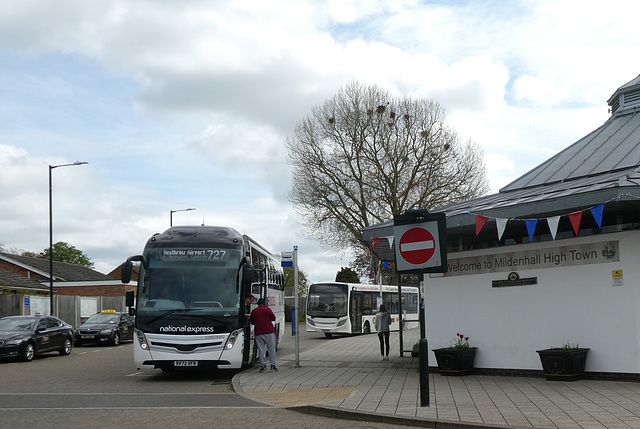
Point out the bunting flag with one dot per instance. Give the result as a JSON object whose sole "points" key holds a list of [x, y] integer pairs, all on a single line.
{"points": [[575, 218], [480, 221], [531, 224], [501, 223], [531, 227], [374, 242], [597, 214], [553, 225]]}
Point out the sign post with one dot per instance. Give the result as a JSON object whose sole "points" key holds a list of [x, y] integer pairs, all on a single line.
{"points": [[421, 247], [295, 313], [290, 259]]}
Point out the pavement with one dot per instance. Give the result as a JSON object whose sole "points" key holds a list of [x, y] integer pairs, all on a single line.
{"points": [[344, 378]]}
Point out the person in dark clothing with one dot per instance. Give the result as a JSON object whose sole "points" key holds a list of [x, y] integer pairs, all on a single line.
{"points": [[247, 307], [262, 318]]}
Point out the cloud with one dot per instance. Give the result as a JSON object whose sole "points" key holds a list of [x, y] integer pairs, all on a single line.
{"points": [[189, 105]]}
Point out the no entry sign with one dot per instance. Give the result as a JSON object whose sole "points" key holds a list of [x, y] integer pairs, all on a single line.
{"points": [[418, 246]]}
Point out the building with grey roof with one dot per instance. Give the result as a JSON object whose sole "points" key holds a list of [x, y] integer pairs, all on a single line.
{"points": [[571, 226], [26, 274]]}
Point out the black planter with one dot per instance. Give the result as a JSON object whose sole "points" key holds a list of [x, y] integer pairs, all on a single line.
{"points": [[563, 364], [455, 361]]}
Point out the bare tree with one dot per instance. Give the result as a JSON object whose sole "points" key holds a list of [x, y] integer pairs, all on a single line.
{"points": [[365, 155]]}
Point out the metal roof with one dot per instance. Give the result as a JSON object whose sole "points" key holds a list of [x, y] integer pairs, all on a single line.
{"points": [[613, 147]]}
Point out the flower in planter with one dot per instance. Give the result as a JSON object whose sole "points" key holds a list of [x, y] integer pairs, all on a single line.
{"points": [[567, 346], [457, 359], [460, 342]]}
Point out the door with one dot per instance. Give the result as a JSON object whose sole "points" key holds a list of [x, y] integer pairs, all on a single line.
{"points": [[126, 327], [356, 312], [45, 336], [56, 331]]}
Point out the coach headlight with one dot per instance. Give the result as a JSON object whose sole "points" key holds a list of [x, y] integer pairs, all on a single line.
{"points": [[231, 341], [142, 340], [311, 322], [342, 322]]}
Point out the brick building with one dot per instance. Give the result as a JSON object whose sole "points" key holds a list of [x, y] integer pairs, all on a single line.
{"points": [[25, 274]]}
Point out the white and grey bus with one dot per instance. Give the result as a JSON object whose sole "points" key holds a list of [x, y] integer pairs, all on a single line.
{"points": [[190, 300], [350, 308]]}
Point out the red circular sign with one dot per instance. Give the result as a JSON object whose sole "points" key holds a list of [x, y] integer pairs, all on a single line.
{"points": [[417, 246]]}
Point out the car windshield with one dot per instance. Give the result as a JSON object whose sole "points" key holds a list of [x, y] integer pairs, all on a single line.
{"points": [[17, 324], [103, 318]]}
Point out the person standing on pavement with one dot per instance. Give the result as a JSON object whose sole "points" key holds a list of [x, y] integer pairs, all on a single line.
{"points": [[262, 318], [382, 323]]}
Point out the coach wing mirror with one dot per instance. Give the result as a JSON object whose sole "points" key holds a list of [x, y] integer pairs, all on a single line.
{"points": [[247, 273], [127, 267]]}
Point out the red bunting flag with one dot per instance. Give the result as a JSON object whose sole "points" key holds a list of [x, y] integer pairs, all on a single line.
{"points": [[480, 221], [575, 221], [374, 242]]}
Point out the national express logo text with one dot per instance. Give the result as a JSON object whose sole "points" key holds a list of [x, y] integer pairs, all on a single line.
{"points": [[186, 329]]}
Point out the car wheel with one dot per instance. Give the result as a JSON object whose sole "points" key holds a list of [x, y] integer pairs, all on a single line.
{"points": [[66, 348], [116, 339], [367, 328], [29, 352]]}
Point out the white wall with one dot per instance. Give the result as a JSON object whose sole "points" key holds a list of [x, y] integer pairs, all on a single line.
{"points": [[578, 303]]}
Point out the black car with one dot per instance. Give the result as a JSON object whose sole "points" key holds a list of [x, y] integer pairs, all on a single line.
{"points": [[108, 326], [26, 336]]}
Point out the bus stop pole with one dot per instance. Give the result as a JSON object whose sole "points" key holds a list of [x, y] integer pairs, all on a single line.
{"points": [[423, 347], [295, 313], [401, 321]]}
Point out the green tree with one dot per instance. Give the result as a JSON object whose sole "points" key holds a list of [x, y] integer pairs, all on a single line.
{"points": [[64, 252], [364, 156], [347, 275], [289, 281]]}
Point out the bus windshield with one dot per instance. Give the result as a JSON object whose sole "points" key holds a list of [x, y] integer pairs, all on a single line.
{"points": [[327, 300], [184, 289]]}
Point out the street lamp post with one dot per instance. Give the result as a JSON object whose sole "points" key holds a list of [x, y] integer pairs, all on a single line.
{"points": [[171, 212], [51, 167]]}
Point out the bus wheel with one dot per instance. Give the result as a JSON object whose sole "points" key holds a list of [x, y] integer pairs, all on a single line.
{"points": [[367, 328], [328, 334]]}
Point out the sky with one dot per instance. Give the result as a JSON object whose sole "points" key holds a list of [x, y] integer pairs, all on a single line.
{"points": [[187, 104]]}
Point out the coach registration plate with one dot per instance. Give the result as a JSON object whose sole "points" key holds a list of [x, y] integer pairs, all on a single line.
{"points": [[185, 363]]}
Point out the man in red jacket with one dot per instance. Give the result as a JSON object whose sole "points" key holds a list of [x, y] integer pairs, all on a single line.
{"points": [[262, 318]]}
